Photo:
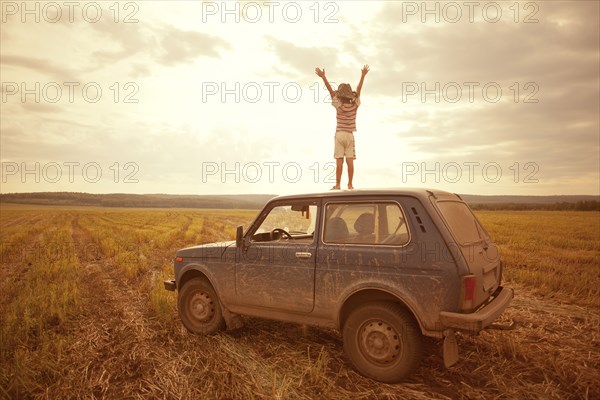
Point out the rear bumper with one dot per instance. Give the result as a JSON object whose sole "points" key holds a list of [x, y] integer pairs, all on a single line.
{"points": [[476, 321], [170, 285]]}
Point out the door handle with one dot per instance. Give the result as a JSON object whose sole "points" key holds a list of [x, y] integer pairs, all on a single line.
{"points": [[303, 254]]}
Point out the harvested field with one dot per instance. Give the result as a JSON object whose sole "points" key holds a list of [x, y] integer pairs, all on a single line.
{"points": [[83, 315]]}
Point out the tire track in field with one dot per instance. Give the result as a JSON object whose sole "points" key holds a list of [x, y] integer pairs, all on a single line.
{"points": [[16, 260], [114, 349], [23, 220]]}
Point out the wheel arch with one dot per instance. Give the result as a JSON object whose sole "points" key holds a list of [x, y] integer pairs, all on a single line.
{"points": [[369, 295], [193, 273]]}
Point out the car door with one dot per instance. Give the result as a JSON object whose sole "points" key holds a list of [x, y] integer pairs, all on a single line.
{"points": [[276, 268], [362, 241]]}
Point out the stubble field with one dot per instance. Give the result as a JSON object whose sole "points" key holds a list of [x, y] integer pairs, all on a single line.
{"points": [[83, 314]]}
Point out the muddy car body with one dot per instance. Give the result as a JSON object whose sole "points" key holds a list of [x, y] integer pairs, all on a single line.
{"points": [[384, 267]]}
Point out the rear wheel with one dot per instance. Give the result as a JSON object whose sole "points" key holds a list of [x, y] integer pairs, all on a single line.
{"points": [[199, 307], [382, 341]]}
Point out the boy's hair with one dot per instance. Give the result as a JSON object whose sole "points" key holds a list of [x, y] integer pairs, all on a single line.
{"points": [[345, 91]]}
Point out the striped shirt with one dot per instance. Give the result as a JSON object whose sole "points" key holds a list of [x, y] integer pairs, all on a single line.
{"points": [[346, 114]]}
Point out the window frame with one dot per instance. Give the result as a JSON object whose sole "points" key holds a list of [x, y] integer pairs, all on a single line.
{"points": [[373, 202]]}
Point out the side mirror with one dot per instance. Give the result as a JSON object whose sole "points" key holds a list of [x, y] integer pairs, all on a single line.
{"points": [[239, 237]]}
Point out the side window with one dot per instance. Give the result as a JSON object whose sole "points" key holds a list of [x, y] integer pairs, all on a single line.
{"points": [[289, 222], [375, 223], [396, 224]]}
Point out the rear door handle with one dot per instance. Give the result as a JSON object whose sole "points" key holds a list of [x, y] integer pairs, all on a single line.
{"points": [[303, 254]]}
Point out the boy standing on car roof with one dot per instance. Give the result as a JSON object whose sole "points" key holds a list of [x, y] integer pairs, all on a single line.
{"points": [[346, 104]]}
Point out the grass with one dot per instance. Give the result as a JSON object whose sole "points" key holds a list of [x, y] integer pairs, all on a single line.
{"points": [[556, 254], [83, 313], [39, 295]]}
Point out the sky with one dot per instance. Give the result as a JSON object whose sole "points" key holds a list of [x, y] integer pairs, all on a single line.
{"points": [[191, 97]]}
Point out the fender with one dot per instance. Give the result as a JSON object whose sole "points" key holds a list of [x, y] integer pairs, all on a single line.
{"points": [[388, 292], [224, 288]]}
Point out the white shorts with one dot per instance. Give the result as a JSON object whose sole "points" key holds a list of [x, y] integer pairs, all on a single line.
{"points": [[344, 145]]}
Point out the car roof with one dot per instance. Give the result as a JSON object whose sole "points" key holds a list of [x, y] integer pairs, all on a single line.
{"points": [[420, 193]]}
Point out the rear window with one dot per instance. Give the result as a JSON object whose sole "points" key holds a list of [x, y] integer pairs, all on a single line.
{"points": [[462, 222]]}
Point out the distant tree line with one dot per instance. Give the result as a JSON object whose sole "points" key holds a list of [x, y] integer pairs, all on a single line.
{"points": [[237, 201], [138, 200], [583, 205]]}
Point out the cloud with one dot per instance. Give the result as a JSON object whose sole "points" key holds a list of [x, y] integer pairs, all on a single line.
{"points": [[302, 59], [122, 40], [179, 46], [508, 133], [42, 108], [44, 66], [554, 62], [480, 51], [152, 43]]}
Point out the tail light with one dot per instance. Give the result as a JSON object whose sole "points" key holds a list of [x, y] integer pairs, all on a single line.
{"points": [[469, 284]]}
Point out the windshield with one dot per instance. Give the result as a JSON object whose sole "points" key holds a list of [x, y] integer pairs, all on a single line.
{"points": [[462, 222], [292, 219]]}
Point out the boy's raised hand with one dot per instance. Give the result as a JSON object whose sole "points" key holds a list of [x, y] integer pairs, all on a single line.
{"points": [[321, 73], [364, 70]]}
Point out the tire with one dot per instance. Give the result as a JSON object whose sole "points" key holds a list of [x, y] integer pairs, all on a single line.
{"points": [[382, 341], [199, 307]]}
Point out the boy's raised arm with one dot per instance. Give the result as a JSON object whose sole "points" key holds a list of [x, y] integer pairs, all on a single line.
{"points": [[321, 72], [363, 72]]}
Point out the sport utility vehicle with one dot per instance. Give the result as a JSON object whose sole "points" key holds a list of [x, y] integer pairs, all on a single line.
{"points": [[384, 267]]}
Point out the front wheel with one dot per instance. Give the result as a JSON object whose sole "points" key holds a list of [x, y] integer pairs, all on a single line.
{"points": [[382, 341], [199, 307]]}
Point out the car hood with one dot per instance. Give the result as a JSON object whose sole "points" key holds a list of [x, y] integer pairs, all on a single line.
{"points": [[209, 250]]}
